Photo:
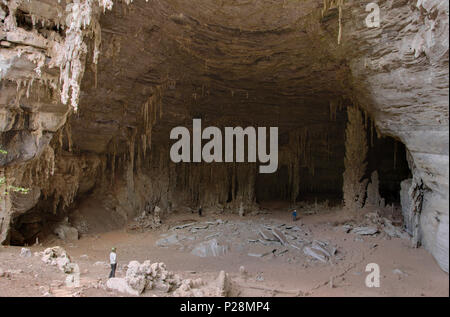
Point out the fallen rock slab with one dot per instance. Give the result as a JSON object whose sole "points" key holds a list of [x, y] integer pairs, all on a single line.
{"points": [[393, 231], [258, 255], [309, 252], [168, 241], [280, 236], [267, 235], [183, 226], [364, 231], [209, 248]]}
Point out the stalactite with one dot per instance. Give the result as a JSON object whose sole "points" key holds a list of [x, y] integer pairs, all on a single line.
{"points": [[69, 56], [329, 4], [61, 187], [395, 153], [68, 130], [60, 138], [328, 142], [371, 132], [10, 20], [378, 132], [297, 153], [131, 148], [366, 119], [333, 110], [112, 159], [151, 110], [40, 170], [340, 24], [19, 94]]}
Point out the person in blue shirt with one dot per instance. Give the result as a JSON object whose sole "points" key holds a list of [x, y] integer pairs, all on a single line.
{"points": [[294, 215]]}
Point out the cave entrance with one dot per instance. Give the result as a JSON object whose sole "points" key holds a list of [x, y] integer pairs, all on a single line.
{"points": [[316, 175], [387, 156]]}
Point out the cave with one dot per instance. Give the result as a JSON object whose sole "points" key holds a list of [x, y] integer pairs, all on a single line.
{"points": [[92, 90]]}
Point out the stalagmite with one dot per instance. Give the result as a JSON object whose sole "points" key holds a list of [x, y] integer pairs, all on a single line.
{"points": [[355, 160], [373, 194]]}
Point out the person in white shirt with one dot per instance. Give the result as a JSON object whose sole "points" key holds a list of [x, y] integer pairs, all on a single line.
{"points": [[113, 262]]}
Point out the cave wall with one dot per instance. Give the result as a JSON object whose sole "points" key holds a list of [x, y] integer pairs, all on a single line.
{"points": [[52, 64], [402, 80]]}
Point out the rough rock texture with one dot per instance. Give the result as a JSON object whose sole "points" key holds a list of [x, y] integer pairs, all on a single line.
{"points": [[209, 248], [142, 68], [147, 276], [57, 256], [121, 285], [66, 232], [151, 276], [354, 187], [402, 79], [411, 217]]}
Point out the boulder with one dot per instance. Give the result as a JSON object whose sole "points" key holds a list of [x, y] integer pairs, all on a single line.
{"points": [[121, 285], [141, 277], [66, 232], [25, 253], [147, 276], [57, 256], [136, 277], [190, 288], [223, 284], [393, 231], [364, 231]]}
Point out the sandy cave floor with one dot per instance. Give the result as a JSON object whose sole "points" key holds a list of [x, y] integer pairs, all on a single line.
{"points": [[405, 271]]}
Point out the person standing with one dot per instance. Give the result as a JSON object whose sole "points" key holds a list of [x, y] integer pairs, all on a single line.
{"points": [[113, 262], [294, 215], [200, 211]]}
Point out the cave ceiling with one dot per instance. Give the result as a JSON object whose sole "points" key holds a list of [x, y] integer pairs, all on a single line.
{"points": [[227, 62]]}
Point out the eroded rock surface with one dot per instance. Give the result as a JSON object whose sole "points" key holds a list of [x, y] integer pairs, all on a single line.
{"points": [[147, 276], [136, 71]]}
